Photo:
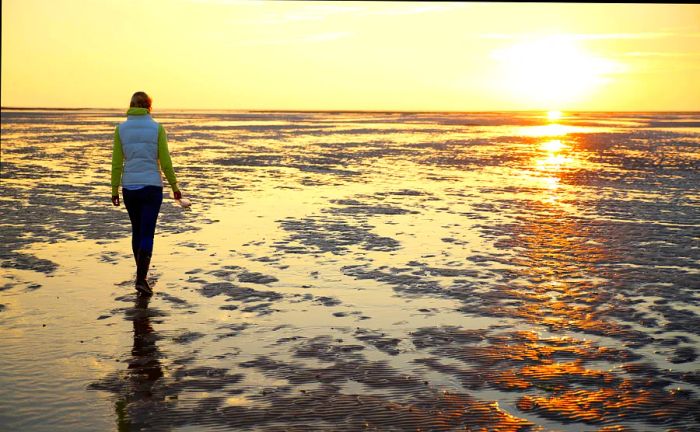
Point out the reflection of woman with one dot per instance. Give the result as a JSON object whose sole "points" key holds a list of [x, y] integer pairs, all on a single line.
{"points": [[144, 368], [140, 152]]}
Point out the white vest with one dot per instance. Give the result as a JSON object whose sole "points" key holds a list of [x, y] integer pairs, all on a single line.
{"points": [[139, 138]]}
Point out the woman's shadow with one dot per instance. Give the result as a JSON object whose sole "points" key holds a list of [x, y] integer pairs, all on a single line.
{"points": [[142, 398]]}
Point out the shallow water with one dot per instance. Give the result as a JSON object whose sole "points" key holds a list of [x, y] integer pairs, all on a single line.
{"points": [[357, 271]]}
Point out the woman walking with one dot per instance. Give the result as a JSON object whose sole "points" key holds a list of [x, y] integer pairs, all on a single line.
{"points": [[140, 152]]}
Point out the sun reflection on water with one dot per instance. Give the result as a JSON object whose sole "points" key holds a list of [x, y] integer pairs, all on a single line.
{"points": [[553, 146], [551, 183], [550, 130], [553, 155]]}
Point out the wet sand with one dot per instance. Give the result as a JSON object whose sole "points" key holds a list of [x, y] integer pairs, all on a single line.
{"points": [[357, 271]]}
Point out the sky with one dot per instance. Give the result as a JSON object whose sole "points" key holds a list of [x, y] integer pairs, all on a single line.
{"points": [[303, 55]]}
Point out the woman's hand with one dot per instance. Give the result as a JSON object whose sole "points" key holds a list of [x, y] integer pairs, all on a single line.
{"points": [[115, 200], [177, 195]]}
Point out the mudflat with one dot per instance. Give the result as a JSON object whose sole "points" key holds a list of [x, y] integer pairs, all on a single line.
{"points": [[356, 271]]}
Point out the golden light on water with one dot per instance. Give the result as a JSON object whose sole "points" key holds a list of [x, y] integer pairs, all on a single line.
{"points": [[551, 183], [554, 115], [554, 158], [553, 146], [553, 161], [549, 130]]}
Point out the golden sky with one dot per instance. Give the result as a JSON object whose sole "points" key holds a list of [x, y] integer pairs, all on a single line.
{"points": [[217, 54]]}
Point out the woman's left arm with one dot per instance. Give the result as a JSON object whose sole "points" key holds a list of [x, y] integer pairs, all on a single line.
{"points": [[166, 164], [117, 166]]}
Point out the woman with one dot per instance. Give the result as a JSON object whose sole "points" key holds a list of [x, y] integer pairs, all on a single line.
{"points": [[141, 151]]}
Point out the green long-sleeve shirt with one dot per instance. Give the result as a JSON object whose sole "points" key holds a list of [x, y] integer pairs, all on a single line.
{"points": [[166, 164]]}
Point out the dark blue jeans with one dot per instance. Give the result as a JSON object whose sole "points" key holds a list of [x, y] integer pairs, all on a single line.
{"points": [[143, 206]]}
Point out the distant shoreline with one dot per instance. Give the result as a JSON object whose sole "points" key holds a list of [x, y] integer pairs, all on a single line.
{"points": [[47, 109], [335, 111]]}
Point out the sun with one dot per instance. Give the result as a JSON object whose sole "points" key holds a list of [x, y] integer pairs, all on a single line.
{"points": [[554, 115], [551, 71]]}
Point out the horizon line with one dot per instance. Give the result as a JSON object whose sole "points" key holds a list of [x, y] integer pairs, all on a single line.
{"points": [[3, 108]]}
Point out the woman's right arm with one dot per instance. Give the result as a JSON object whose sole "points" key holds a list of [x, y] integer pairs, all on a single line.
{"points": [[117, 165]]}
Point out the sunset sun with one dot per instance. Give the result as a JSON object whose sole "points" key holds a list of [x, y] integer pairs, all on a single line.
{"points": [[554, 115], [551, 71]]}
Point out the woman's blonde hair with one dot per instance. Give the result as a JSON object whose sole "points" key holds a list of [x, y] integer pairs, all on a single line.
{"points": [[141, 100]]}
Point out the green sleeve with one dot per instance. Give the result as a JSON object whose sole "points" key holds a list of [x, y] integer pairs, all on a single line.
{"points": [[117, 162], [164, 158]]}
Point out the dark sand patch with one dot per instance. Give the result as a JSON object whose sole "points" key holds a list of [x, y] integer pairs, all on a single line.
{"points": [[23, 261], [235, 292], [175, 301], [684, 355], [327, 301], [255, 277], [327, 234], [260, 309], [379, 340], [232, 330], [187, 336]]}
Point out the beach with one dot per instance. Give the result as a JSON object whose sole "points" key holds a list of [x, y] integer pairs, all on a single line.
{"points": [[351, 271]]}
